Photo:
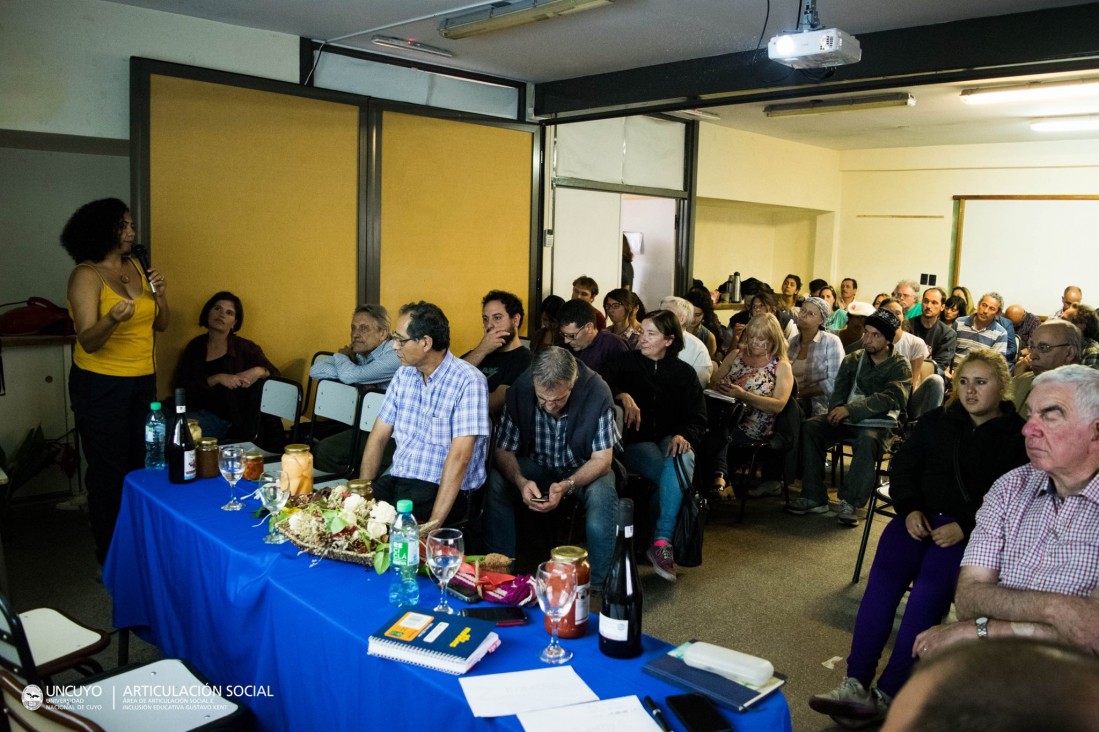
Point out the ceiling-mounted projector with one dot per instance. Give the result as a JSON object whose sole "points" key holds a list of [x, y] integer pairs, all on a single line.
{"points": [[815, 49]]}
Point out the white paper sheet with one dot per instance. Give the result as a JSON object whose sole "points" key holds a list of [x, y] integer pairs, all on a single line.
{"points": [[497, 695], [624, 714]]}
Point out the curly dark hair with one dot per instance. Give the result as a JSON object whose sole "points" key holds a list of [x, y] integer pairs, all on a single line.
{"points": [[512, 304], [667, 323], [1086, 319], [94, 230], [426, 319], [223, 295]]}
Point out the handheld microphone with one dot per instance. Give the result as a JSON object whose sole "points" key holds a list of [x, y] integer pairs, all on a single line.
{"points": [[142, 254]]}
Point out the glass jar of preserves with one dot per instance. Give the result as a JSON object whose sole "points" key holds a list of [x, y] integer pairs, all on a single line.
{"points": [[297, 469], [361, 486], [253, 465], [196, 431], [575, 623], [206, 458]]}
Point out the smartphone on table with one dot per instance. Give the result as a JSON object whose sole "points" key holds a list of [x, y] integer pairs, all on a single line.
{"points": [[498, 615], [698, 713]]}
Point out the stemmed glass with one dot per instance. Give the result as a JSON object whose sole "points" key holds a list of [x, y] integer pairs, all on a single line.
{"points": [[555, 586], [231, 464], [273, 495], [445, 552]]}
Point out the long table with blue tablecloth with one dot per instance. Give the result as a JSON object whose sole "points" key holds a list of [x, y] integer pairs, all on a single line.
{"points": [[200, 584]]}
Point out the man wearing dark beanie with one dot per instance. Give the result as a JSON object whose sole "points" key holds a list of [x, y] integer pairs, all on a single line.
{"points": [[871, 389]]}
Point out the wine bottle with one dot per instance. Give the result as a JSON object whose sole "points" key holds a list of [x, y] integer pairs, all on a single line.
{"points": [[181, 446], [620, 615]]}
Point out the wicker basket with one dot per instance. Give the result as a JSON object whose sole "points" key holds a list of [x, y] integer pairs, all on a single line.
{"points": [[364, 559]]}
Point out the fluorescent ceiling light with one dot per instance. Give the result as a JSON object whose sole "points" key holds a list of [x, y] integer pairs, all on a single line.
{"points": [[1035, 91], [694, 114], [497, 17], [841, 104], [404, 44], [1065, 124]]}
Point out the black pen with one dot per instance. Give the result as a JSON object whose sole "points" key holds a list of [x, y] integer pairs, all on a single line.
{"points": [[657, 714]]}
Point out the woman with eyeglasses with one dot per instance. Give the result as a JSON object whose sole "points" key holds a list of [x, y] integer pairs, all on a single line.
{"points": [[938, 479], [664, 418], [621, 307]]}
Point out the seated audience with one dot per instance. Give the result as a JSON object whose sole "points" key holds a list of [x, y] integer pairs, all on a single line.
{"points": [[548, 333], [701, 305], [815, 356], [1071, 297], [368, 360], [982, 328], [878, 298], [693, 352], [907, 294], [576, 320], [436, 409], [1032, 565], [838, 319], [967, 296], [585, 288], [766, 302], [789, 295], [1005, 684], [665, 417], [1084, 317], [938, 478], [1024, 324], [1055, 343], [815, 285], [500, 355], [955, 307], [621, 306], [849, 290], [758, 374], [872, 388], [857, 313], [556, 438], [940, 338], [222, 372], [910, 346]]}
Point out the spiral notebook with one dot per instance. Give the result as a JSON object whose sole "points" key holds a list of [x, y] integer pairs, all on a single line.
{"points": [[450, 643]]}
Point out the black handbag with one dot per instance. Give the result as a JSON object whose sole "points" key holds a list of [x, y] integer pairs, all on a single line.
{"points": [[689, 524]]}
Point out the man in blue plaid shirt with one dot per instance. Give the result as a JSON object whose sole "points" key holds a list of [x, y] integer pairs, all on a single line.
{"points": [[436, 410], [556, 438]]}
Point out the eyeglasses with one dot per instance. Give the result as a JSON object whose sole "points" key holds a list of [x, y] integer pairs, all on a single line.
{"points": [[1046, 347], [546, 401], [396, 338], [570, 337]]}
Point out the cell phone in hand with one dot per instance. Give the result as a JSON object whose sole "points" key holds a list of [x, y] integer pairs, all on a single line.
{"points": [[698, 713]]}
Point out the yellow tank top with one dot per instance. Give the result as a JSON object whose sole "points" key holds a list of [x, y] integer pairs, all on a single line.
{"points": [[129, 350]]}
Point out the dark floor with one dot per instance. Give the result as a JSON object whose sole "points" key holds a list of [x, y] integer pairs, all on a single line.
{"points": [[777, 586]]}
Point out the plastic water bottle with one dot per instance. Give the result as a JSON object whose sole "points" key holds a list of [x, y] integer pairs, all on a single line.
{"points": [[156, 428], [404, 556]]}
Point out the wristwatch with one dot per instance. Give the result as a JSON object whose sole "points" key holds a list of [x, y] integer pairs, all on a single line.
{"points": [[572, 486], [982, 627]]}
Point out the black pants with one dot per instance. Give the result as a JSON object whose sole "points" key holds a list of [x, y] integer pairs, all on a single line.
{"points": [[110, 417], [391, 489]]}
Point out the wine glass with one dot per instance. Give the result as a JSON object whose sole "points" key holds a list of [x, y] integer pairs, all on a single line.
{"points": [[445, 552], [555, 586], [273, 495], [231, 464]]}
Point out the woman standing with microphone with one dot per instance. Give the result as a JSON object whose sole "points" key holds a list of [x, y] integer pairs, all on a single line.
{"points": [[115, 306]]}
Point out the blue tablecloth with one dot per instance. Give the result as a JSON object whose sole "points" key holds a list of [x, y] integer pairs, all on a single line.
{"points": [[200, 584]]}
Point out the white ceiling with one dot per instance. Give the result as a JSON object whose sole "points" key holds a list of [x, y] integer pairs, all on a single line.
{"points": [[634, 33]]}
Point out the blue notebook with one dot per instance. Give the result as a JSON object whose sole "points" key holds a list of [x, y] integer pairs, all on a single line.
{"points": [[450, 643], [671, 668]]}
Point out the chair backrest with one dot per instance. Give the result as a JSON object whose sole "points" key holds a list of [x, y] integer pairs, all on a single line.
{"points": [[15, 649], [787, 427], [311, 383], [282, 398], [336, 401], [368, 412], [47, 718]]}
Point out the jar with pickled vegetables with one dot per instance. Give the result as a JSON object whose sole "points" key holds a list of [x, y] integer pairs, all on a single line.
{"points": [[297, 469], [253, 465], [361, 487], [575, 623]]}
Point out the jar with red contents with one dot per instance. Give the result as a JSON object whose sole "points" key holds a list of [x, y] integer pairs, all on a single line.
{"points": [[575, 623]]}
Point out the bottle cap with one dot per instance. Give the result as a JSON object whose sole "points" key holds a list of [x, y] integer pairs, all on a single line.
{"points": [[404, 506], [181, 395], [155, 406]]}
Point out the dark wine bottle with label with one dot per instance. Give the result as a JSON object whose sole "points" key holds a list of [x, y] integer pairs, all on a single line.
{"points": [[180, 449], [620, 616]]}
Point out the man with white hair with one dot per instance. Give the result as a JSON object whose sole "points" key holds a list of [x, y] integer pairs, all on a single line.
{"points": [[694, 351], [907, 293], [1032, 565]]}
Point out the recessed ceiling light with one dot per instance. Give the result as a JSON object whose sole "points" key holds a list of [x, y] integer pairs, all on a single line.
{"points": [[1065, 124], [407, 44], [1035, 91]]}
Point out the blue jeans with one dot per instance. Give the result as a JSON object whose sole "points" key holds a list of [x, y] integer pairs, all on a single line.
{"points": [[649, 460], [599, 498], [899, 562]]}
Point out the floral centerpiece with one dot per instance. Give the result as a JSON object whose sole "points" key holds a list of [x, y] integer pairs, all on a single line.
{"points": [[335, 524]]}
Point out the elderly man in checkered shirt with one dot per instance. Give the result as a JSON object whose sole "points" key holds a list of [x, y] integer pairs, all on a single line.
{"points": [[557, 437], [436, 410], [1032, 564]]}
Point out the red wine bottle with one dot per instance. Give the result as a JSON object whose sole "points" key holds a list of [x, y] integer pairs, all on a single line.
{"points": [[180, 449], [620, 616]]}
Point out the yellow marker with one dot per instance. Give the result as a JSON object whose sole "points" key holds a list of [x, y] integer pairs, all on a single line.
{"points": [[461, 637]]}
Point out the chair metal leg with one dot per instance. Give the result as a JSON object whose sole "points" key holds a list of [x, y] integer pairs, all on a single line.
{"points": [[865, 536]]}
